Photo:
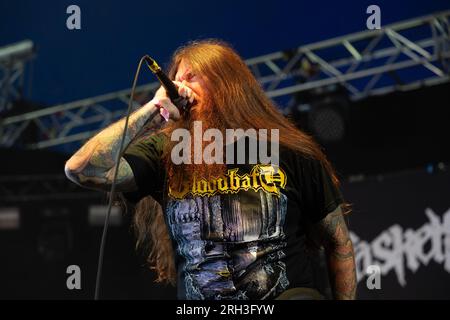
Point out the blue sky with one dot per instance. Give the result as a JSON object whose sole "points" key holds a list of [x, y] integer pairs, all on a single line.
{"points": [[102, 56]]}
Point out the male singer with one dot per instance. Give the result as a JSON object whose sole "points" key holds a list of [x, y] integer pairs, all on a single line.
{"points": [[224, 229]]}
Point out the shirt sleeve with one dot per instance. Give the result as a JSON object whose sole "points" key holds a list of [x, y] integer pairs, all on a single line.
{"points": [[144, 155], [319, 194]]}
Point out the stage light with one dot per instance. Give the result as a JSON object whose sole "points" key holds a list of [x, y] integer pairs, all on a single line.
{"points": [[9, 218], [327, 124], [97, 216], [327, 119]]}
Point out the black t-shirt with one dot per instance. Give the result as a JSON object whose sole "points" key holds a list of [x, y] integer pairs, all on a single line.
{"points": [[241, 235]]}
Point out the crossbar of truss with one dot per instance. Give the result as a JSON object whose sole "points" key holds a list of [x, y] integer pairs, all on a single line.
{"points": [[362, 62]]}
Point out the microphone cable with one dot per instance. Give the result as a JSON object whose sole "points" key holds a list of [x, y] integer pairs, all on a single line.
{"points": [[113, 185]]}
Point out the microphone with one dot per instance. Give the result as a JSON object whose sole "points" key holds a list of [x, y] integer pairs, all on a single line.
{"points": [[181, 103]]}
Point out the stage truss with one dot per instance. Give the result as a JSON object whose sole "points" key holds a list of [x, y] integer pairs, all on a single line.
{"points": [[13, 59], [398, 57]]}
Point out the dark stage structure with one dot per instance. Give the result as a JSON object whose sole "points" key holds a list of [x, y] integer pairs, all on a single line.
{"points": [[377, 103]]}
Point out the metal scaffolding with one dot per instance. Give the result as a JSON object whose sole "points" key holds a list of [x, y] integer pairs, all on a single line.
{"points": [[400, 56], [13, 59]]}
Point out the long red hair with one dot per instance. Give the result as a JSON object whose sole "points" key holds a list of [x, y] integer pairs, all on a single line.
{"points": [[235, 99]]}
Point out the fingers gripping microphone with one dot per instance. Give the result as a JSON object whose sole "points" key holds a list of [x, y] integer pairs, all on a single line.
{"points": [[181, 103]]}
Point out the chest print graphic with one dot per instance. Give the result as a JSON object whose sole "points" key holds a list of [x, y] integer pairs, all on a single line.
{"points": [[231, 244]]}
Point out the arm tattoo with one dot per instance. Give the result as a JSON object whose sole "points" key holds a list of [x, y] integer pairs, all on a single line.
{"points": [[90, 178], [340, 257], [93, 165]]}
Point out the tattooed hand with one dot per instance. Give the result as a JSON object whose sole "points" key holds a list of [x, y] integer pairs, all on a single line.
{"points": [[335, 238]]}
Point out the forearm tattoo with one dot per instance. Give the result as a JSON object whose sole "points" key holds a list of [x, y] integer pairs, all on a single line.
{"points": [[340, 256], [93, 165]]}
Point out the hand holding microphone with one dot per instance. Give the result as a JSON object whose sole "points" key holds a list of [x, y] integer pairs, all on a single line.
{"points": [[171, 93], [162, 100]]}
